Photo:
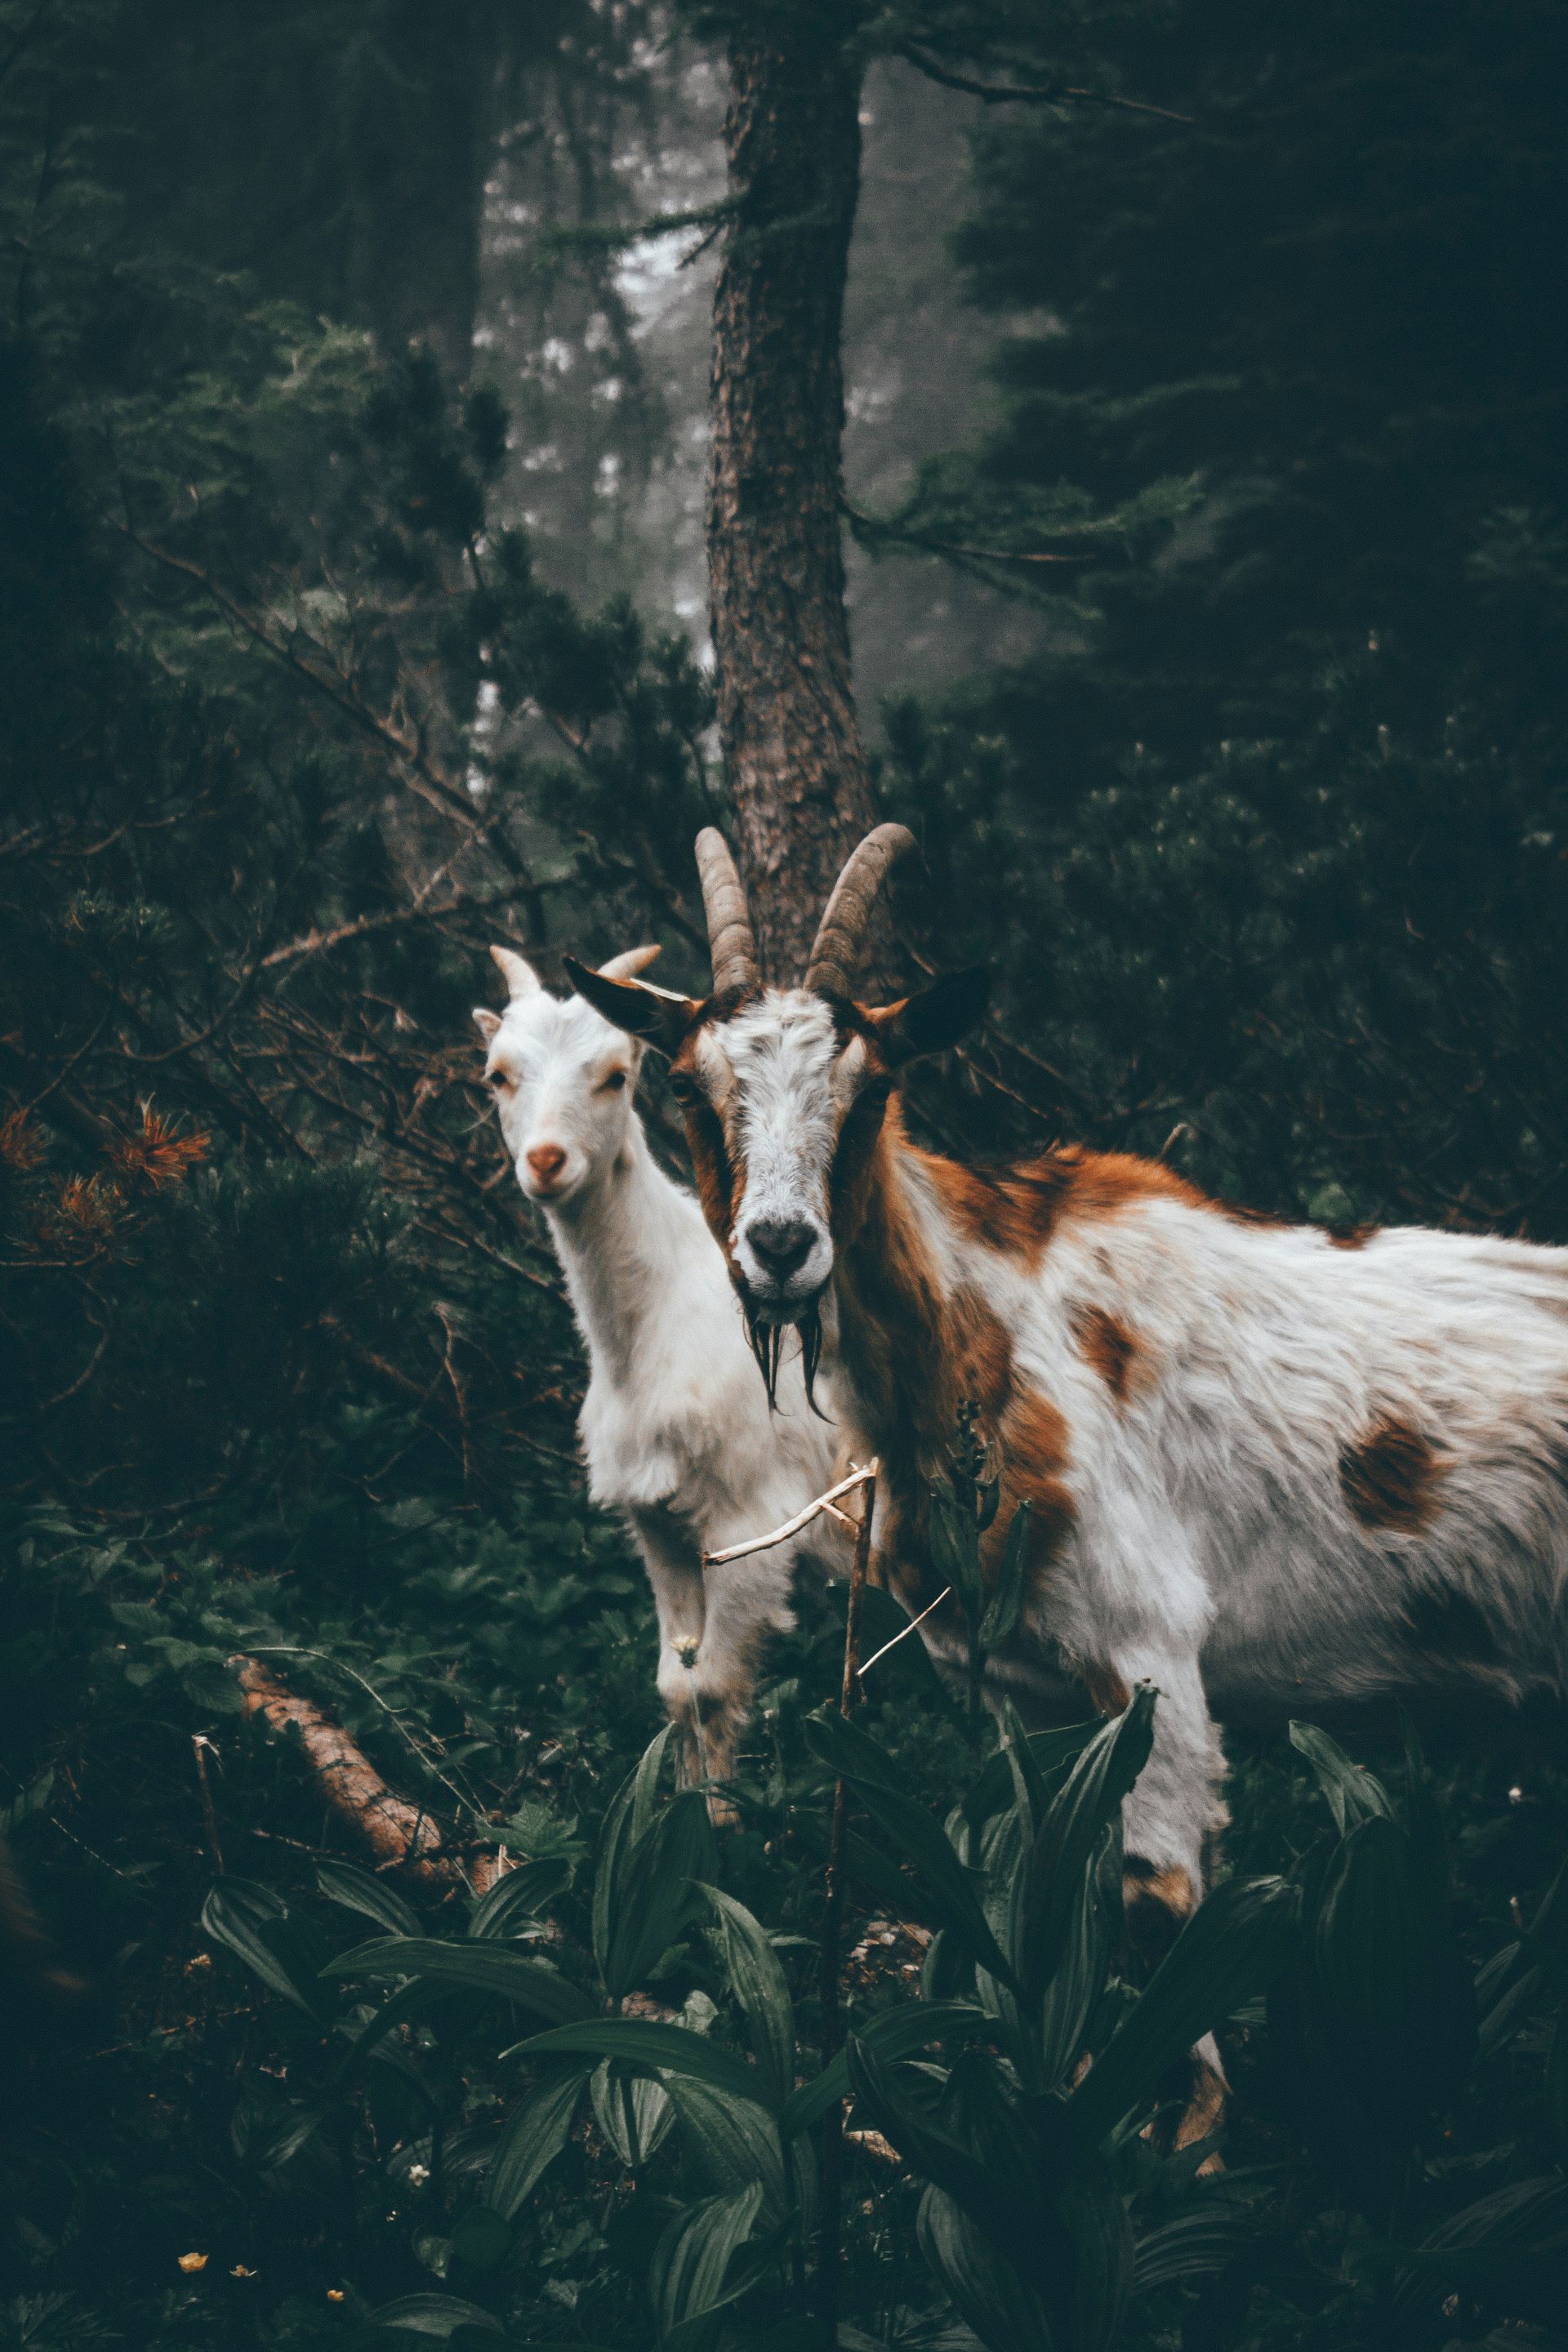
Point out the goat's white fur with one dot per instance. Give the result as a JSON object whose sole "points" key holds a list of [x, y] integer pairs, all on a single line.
{"points": [[675, 1427], [1212, 1551]]}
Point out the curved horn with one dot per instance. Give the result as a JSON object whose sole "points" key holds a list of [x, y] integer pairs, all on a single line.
{"points": [[521, 980], [836, 952], [628, 963], [730, 941]]}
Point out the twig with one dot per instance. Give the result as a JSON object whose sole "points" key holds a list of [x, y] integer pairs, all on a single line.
{"points": [[831, 2162], [930, 546], [866, 1478], [200, 1743], [1005, 93], [904, 1631]]}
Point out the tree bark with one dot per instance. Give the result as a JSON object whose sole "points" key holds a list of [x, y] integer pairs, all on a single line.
{"points": [[793, 754]]}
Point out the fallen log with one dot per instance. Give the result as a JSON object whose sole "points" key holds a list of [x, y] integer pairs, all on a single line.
{"points": [[401, 1836]]}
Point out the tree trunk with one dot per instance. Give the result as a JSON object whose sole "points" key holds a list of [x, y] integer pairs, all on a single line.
{"points": [[793, 755]]}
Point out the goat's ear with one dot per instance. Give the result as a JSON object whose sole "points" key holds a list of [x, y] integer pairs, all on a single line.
{"points": [[628, 965], [486, 1022], [521, 980], [655, 1014], [938, 1017]]}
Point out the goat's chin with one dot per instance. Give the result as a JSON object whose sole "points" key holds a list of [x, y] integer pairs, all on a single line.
{"points": [[767, 1321]]}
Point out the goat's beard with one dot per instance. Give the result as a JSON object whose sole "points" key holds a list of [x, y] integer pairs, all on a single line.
{"points": [[767, 1344]]}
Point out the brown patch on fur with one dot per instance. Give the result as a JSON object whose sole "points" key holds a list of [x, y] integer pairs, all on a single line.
{"points": [[1204, 2114], [1032, 1438], [1350, 1237], [711, 1166], [1158, 1903], [1108, 1694], [1108, 1347], [854, 1159], [1389, 1477]]}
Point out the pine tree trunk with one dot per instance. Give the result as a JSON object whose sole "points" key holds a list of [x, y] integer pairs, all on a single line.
{"points": [[793, 755]]}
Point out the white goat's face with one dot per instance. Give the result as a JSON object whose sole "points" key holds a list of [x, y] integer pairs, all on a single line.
{"points": [[563, 1081], [766, 1094]]}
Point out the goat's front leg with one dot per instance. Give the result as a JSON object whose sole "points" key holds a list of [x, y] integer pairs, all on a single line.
{"points": [[712, 1630], [1170, 1824]]}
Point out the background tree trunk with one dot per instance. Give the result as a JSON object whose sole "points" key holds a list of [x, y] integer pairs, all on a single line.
{"points": [[792, 746]]}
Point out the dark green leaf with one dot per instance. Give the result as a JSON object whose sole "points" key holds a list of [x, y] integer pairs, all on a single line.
{"points": [[632, 2110], [476, 1967], [1007, 1593], [731, 2141], [918, 1838], [893, 2033], [751, 1970], [530, 2143], [254, 1926], [1354, 1795], [655, 1900], [355, 1890], [1069, 1835], [1230, 1948], [1005, 2310], [692, 2259], [639, 2043], [520, 1897], [434, 2315]]}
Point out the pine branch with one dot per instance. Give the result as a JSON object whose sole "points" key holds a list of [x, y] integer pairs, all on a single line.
{"points": [[1054, 93], [928, 545]]}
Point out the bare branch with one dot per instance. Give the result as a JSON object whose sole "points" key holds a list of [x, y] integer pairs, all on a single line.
{"points": [[1053, 93]]}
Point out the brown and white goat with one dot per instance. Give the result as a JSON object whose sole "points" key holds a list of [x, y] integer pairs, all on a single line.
{"points": [[1271, 1469]]}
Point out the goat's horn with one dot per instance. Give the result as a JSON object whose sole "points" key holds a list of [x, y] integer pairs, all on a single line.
{"points": [[628, 963], [521, 980], [836, 952], [731, 943]]}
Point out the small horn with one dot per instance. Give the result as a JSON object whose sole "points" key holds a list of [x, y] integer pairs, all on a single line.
{"points": [[521, 980], [731, 943], [836, 952], [628, 963]]}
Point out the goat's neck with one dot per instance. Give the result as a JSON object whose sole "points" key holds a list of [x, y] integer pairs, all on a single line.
{"points": [[625, 1242], [895, 1291]]}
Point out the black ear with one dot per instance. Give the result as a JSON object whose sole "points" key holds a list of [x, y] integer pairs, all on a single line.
{"points": [[653, 1013], [938, 1017]]}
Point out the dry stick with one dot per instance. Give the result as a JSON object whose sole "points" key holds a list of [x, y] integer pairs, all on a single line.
{"points": [[858, 1477], [396, 1832], [200, 1743], [832, 2153]]}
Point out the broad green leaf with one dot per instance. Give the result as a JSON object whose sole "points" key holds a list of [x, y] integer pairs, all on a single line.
{"points": [[731, 2141], [919, 1839], [1232, 1946], [1195, 2245], [1071, 1833], [272, 2149], [355, 1890], [641, 2043], [480, 2238], [1401, 1999], [656, 1901], [1002, 2200], [1051, 1753], [1007, 1593], [1354, 1795], [751, 1970], [692, 2259], [475, 1967], [893, 2033], [1079, 1977], [1005, 2310], [532, 2142], [632, 2110], [626, 1822], [521, 1895], [1095, 2220], [434, 2315], [254, 1926]]}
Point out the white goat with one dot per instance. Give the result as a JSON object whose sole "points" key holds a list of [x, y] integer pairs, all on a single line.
{"points": [[675, 1427]]}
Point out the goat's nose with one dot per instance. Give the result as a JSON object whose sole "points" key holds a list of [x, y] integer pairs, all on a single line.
{"points": [[546, 1161], [781, 1243]]}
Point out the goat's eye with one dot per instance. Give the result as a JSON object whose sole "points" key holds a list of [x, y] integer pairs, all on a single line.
{"points": [[683, 1088], [499, 1083], [613, 1083]]}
